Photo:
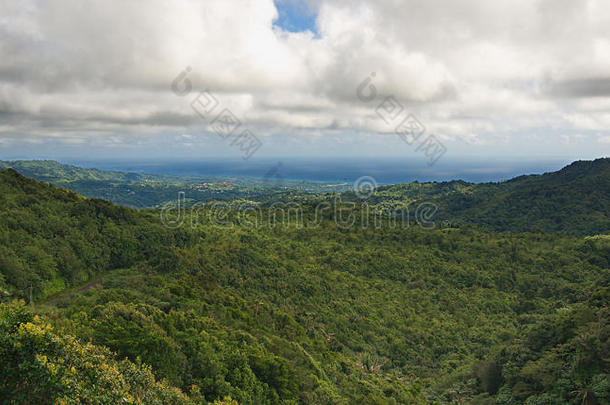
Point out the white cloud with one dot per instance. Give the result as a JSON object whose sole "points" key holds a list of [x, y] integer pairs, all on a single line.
{"points": [[472, 70]]}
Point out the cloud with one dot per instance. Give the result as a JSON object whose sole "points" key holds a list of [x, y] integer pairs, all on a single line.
{"points": [[588, 87], [604, 139], [470, 70]]}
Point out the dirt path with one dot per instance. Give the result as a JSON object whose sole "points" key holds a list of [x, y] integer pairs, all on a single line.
{"points": [[86, 287]]}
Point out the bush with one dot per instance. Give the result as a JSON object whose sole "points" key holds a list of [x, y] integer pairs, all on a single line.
{"points": [[40, 367]]}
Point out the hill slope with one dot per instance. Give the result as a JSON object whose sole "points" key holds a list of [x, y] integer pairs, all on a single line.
{"points": [[139, 190], [575, 200], [324, 315]]}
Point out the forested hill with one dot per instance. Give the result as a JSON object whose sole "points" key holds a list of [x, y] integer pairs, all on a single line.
{"points": [[136, 190], [289, 315], [52, 171], [140, 190], [574, 200], [52, 238]]}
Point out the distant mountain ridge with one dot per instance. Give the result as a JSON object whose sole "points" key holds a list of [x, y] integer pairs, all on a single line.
{"points": [[53, 171], [141, 190], [574, 200]]}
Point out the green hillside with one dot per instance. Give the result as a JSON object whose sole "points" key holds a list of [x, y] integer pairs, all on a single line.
{"points": [[575, 200], [139, 190], [288, 314], [50, 171]]}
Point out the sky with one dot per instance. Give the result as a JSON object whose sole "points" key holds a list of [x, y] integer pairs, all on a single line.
{"points": [[101, 79]]}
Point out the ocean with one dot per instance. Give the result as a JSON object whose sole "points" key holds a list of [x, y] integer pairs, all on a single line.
{"points": [[383, 170]]}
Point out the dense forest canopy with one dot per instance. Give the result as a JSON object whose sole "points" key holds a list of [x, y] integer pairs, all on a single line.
{"points": [[127, 309]]}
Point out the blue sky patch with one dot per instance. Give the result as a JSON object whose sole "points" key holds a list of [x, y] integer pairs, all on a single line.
{"points": [[295, 16]]}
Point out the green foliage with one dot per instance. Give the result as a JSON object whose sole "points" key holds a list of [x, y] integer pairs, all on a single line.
{"points": [[51, 237], [41, 367], [322, 315], [574, 200], [140, 190], [489, 374]]}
